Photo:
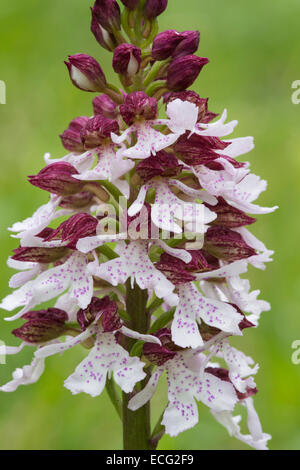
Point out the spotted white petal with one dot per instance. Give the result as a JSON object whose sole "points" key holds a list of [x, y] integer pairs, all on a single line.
{"points": [[106, 357], [29, 374], [193, 308]]}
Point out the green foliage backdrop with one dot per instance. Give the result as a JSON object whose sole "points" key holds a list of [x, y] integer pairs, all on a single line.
{"points": [[254, 52]]}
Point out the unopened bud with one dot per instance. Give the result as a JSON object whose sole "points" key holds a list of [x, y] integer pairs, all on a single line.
{"points": [[154, 8], [130, 4], [165, 44], [85, 73], [188, 44], [127, 59], [108, 14], [70, 138], [104, 38], [183, 71]]}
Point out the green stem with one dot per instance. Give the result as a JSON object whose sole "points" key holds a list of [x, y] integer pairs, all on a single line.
{"points": [[136, 424], [114, 396], [157, 433]]}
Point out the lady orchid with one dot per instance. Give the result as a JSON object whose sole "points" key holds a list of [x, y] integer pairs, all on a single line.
{"points": [[144, 265]]}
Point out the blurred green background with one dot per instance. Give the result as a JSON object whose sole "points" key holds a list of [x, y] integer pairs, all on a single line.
{"points": [[254, 52]]}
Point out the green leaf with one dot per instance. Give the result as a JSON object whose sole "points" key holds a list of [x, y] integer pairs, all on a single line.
{"points": [[162, 320], [137, 349]]}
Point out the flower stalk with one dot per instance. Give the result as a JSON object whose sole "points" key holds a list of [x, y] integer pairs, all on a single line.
{"points": [[146, 269], [136, 424]]}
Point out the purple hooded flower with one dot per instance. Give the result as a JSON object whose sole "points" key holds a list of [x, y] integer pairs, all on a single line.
{"points": [[78, 226], [204, 115], [42, 325], [70, 138], [136, 105], [57, 178], [162, 164], [226, 244], [97, 130], [39, 254], [229, 216]]}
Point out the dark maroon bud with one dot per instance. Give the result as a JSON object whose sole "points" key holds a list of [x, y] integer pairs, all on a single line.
{"points": [[127, 59], [131, 4], [85, 73], [39, 254], [97, 130], [104, 38], [154, 8], [70, 138], [104, 105], [198, 150], [138, 105], [57, 179], [96, 308], [165, 43], [77, 201], [108, 14], [204, 115], [229, 216], [226, 244], [162, 164], [42, 325], [78, 226], [188, 44], [183, 71]]}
